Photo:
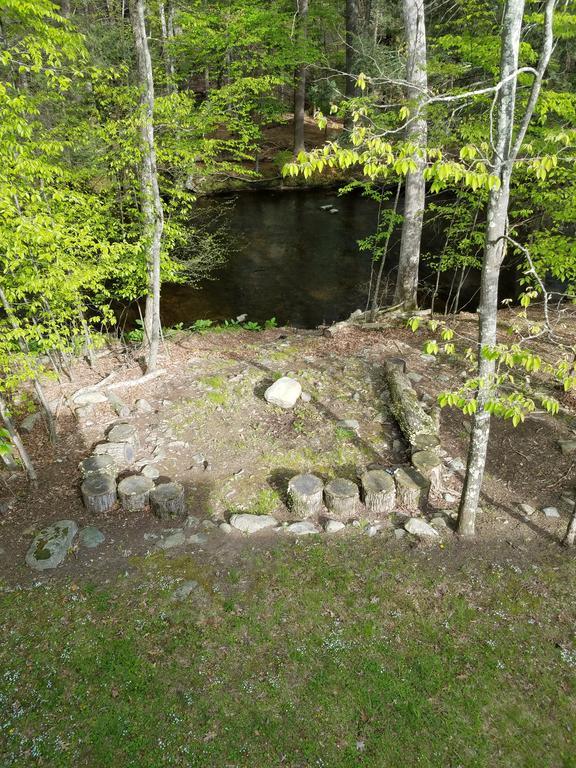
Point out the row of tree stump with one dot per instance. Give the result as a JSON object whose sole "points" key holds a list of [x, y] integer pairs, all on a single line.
{"points": [[100, 489]]}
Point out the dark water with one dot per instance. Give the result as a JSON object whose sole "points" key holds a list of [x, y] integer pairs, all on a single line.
{"points": [[288, 259]]}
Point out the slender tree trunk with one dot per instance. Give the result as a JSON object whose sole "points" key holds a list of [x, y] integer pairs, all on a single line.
{"points": [[417, 134], [17, 441], [25, 349], [352, 28], [494, 250], [376, 294], [152, 211], [300, 83], [504, 155], [168, 62]]}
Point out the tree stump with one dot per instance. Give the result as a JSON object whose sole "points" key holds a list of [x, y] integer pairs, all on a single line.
{"points": [[411, 488], [428, 464], [342, 498], [122, 453], [98, 492], [98, 465], [425, 442], [168, 501], [134, 492], [305, 495], [124, 433], [378, 492]]}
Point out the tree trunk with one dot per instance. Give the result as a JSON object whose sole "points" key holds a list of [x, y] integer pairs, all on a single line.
{"points": [[300, 84], [352, 17], [152, 211], [17, 441], [494, 249], [166, 36], [416, 134], [37, 386]]}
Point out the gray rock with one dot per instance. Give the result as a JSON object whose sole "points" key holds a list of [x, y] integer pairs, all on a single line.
{"points": [[90, 398], [372, 530], [399, 533], [149, 470], [91, 537], [305, 397], [349, 424], [449, 498], [397, 446], [226, 528], [184, 590], [333, 526], [176, 539], [191, 521], [252, 523], [415, 377], [197, 538], [143, 406], [418, 527], [303, 528], [551, 512], [527, 509], [457, 465], [428, 358], [567, 446], [209, 525], [284, 392], [30, 422], [50, 546]]}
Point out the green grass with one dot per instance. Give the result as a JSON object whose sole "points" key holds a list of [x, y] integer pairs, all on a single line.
{"points": [[325, 653]]}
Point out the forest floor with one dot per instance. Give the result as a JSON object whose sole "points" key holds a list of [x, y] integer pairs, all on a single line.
{"points": [[329, 650]]}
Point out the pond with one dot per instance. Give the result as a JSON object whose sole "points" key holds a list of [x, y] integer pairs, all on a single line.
{"points": [[291, 260]]}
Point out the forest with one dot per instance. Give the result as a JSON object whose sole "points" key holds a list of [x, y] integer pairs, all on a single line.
{"points": [[287, 383]]}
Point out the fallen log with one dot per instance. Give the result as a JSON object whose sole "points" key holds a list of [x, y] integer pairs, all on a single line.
{"points": [[406, 408]]}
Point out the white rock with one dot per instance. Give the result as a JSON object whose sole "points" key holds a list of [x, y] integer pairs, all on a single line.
{"points": [[551, 512], [226, 528], [284, 392], [51, 545], [303, 528], [306, 397], [252, 523], [418, 527], [30, 422], [143, 406], [184, 590], [90, 398], [151, 471], [527, 509], [333, 526], [175, 539], [351, 424]]}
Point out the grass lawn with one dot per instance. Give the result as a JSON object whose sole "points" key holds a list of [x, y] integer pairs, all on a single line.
{"points": [[334, 653]]}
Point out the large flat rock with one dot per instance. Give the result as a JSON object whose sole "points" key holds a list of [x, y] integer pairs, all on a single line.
{"points": [[252, 523], [51, 545]]}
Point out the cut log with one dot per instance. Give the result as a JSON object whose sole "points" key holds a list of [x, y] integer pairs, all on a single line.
{"points": [[122, 453], [428, 464], [124, 433], [103, 464], [378, 493], [425, 442], [408, 412], [411, 488], [167, 501], [568, 540], [342, 498], [305, 494], [134, 492], [99, 493]]}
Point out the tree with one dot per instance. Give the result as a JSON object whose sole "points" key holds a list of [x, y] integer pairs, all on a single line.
{"points": [[505, 153], [300, 83], [416, 134], [151, 203]]}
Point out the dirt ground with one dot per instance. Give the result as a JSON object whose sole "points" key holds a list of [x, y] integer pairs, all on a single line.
{"points": [[211, 429]]}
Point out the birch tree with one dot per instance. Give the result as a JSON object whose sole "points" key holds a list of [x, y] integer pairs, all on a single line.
{"points": [[151, 203], [506, 146], [416, 134], [300, 83]]}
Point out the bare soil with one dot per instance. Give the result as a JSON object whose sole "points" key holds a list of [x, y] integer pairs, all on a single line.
{"points": [[232, 451]]}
